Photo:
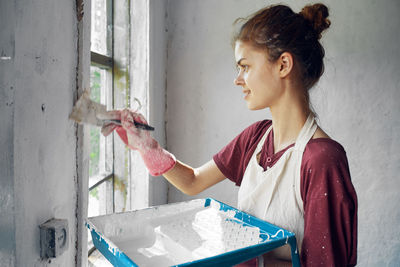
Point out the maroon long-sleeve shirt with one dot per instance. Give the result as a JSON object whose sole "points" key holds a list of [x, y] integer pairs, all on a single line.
{"points": [[329, 198]]}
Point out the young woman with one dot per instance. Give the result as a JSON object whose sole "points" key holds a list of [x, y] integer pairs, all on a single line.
{"points": [[290, 172]]}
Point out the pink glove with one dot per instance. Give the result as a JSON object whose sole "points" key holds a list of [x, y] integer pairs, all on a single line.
{"points": [[109, 127], [157, 159]]}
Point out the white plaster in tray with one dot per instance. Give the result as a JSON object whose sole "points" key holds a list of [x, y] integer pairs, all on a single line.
{"points": [[177, 233]]}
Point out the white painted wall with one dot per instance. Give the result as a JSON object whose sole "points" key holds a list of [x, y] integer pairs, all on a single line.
{"points": [[38, 143], [356, 100]]}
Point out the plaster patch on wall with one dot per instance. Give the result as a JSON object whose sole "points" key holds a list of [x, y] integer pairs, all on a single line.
{"points": [[3, 56], [8, 51]]}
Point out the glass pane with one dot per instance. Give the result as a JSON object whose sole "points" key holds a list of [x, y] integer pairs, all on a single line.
{"points": [[101, 27], [94, 164], [101, 199], [95, 136], [101, 148], [96, 85], [101, 157], [121, 54]]}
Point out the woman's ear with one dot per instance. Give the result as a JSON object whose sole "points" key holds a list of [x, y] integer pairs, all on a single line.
{"points": [[285, 62]]}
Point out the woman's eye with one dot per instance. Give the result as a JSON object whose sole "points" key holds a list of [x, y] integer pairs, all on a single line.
{"points": [[241, 68]]}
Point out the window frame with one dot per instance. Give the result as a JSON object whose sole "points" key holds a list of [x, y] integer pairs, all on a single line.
{"points": [[106, 62], [137, 185]]}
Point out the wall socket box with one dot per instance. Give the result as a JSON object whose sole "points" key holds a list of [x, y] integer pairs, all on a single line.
{"points": [[53, 238]]}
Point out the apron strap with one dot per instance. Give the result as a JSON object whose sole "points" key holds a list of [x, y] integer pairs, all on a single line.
{"points": [[306, 133], [262, 141]]}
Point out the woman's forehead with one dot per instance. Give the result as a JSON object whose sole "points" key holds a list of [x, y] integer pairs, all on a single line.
{"points": [[245, 50]]}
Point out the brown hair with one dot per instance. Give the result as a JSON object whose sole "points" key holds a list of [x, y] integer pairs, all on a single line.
{"points": [[278, 29]]}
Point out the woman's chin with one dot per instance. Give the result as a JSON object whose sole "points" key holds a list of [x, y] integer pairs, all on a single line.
{"points": [[251, 106]]}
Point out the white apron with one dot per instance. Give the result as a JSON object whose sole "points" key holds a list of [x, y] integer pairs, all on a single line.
{"points": [[274, 195]]}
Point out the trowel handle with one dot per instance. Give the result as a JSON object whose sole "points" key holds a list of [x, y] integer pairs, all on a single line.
{"points": [[137, 124]]}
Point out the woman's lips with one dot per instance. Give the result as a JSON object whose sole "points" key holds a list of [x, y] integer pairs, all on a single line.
{"points": [[246, 93]]}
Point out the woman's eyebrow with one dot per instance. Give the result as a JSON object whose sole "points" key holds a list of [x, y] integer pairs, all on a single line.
{"points": [[240, 60]]}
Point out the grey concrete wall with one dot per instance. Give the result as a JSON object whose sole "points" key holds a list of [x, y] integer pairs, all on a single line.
{"points": [[38, 142], [356, 100], [7, 107]]}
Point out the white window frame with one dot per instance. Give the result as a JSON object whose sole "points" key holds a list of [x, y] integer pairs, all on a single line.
{"points": [[137, 194]]}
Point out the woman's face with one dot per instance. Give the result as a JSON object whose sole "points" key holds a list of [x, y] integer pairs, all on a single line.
{"points": [[258, 77]]}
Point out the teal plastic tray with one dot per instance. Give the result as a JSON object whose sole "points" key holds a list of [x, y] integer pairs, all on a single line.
{"points": [[201, 232]]}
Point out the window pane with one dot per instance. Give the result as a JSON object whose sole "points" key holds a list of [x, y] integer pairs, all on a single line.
{"points": [[95, 89], [94, 151], [101, 199], [101, 27], [101, 152], [101, 148], [121, 55]]}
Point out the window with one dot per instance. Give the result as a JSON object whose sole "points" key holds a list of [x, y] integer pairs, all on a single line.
{"points": [[101, 162], [119, 78], [115, 172], [110, 179]]}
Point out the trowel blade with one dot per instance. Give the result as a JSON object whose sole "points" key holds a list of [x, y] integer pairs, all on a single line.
{"points": [[87, 111]]}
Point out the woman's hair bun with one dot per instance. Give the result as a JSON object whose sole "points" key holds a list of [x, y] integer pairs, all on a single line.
{"points": [[317, 15]]}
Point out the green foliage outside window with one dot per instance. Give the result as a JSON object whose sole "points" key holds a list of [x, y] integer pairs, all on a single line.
{"points": [[95, 80], [94, 193]]}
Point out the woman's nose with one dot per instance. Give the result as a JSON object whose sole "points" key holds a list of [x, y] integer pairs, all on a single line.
{"points": [[238, 80]]}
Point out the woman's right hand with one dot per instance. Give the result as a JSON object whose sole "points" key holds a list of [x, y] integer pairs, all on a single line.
{"points": [[157, 160], [135, 138]]}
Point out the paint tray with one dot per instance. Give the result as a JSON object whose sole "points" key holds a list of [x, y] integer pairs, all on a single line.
{"points": [[201, 232]]}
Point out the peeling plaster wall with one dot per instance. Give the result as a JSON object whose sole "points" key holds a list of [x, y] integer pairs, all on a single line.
{"points": [[357, 101], [38, 142]]}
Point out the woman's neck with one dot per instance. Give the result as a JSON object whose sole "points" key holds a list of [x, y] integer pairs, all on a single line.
{"points": [[288, 118]]}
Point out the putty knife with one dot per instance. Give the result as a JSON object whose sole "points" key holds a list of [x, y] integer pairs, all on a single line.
{"points": [[87, 111]]}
